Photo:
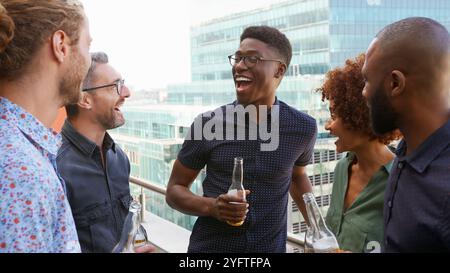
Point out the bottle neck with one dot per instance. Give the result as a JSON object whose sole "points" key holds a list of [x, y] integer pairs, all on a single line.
{"points": [[129, 228], [136, 211], [315, 216], [238, 176]]}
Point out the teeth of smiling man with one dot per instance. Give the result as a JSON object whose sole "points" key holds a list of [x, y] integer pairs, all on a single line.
{"points": [[243, 79]]}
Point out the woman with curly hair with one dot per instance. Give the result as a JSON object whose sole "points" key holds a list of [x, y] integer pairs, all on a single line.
{"points": [[355, 215]]}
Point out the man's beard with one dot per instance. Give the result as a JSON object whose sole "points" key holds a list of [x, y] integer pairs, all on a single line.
{"points": [[70, 85], [109, 121], [384, 118]]}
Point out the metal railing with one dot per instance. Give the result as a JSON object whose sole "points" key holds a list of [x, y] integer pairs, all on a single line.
{"points": [[294, 241], [149, 186]]}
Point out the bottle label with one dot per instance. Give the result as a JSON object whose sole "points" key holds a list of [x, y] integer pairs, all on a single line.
{"points": [[138, 242]]}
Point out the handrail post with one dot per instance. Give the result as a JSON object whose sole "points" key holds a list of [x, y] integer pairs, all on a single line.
{"points": [[142, 201]]}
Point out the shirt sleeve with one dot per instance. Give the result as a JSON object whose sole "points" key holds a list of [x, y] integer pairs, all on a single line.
{"points": [[306, 156], [193, 153]]}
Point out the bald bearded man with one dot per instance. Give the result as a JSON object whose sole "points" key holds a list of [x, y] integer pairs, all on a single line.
{"points": [[407, 75]]}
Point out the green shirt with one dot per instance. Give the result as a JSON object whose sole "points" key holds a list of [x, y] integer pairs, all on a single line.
{"points": [[362, 222]]}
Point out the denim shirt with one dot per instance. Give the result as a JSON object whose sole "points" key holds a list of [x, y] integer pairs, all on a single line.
{"points": [[99, 196]]}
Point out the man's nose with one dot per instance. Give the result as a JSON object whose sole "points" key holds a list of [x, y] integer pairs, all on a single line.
{"points": [[241, 65], [126, 93]]}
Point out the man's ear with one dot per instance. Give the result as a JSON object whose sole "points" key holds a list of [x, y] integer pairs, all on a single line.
{"points": [[60, 43], [397, 83], [280, 71], [86, 101]]}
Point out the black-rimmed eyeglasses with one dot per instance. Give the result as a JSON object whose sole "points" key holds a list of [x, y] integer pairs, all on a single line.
{"points": [[118, 84], [249, 61]]}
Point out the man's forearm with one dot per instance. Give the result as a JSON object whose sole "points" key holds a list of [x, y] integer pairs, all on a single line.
{"points": [[301, 185], [183, 200]]}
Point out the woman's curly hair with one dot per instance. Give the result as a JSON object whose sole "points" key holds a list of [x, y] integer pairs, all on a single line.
{"points": [[344, 85]]}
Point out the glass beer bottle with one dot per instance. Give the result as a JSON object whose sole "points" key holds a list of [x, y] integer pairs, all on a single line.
{"points": [[133, 233], [237, 187], [321, 238], [309, 240]]}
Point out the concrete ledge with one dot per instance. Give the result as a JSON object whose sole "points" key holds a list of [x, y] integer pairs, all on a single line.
{"points": [[165, 235]]}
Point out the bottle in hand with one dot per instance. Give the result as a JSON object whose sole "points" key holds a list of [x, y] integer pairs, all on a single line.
{"points": [[133, 233], [237, 187], [319, 237]]}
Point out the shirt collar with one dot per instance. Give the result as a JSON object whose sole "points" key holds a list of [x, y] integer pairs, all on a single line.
{"points": [[269, 112], [30, 126], [277, 102], [81, 142], [421, 158], [387, 167]]}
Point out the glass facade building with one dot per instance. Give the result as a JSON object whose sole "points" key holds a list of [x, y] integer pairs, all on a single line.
{"points": [[323, 33]]}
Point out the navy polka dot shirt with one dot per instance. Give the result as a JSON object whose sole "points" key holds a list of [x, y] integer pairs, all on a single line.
{"points": [[267, 174]]}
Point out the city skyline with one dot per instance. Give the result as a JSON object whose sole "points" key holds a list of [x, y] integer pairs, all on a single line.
{"points": [[149, 42]]}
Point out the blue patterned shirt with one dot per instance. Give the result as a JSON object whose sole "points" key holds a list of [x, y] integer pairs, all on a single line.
{"points": [[268, 176], [35, 215]]}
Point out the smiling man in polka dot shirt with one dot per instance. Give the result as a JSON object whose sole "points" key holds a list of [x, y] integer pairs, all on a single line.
{"points": [[273, 166]]}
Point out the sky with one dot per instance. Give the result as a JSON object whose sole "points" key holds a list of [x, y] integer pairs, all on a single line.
{"points": [[148, 41]]}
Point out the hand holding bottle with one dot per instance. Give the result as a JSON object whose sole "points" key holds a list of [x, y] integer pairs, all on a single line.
{"points": [[233, 207], [230, 208], [134, 236], [148, 248], [237, 191]]}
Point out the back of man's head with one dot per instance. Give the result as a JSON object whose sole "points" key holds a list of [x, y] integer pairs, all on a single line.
{"points": [[420, 29], [96, 58], [25, 25], [417, 46]]}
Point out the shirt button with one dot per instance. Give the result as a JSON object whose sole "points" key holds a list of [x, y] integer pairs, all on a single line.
{"points": [[390, 204], [400, 165]]}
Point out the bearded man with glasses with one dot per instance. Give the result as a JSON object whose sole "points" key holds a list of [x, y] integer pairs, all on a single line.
{"points": [[95, 169]]}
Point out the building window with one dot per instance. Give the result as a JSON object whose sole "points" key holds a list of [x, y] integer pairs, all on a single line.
{"points": [[303, 227], [296, 228]]}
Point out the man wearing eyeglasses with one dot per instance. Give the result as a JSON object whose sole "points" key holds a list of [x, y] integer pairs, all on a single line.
{"points": [[95, 169], [258, 67]]}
